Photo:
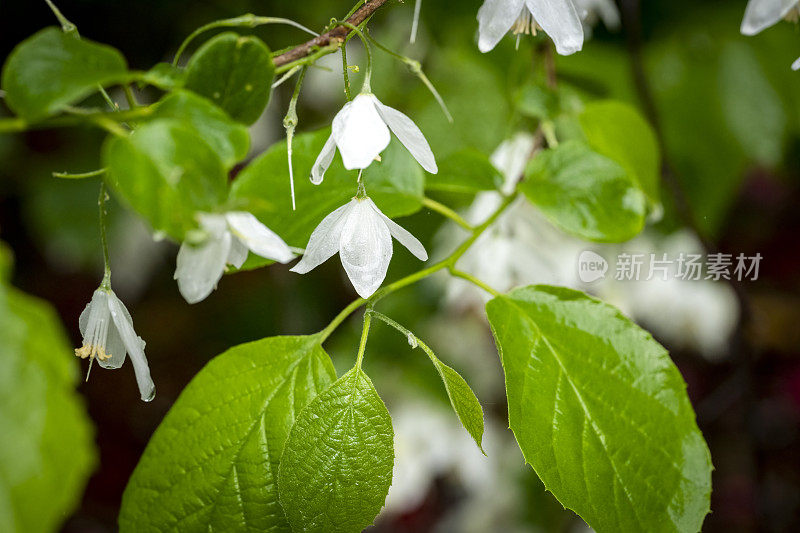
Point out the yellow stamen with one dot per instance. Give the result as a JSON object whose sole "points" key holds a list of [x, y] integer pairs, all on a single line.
{"points": [[92, 351], [525, 24]]}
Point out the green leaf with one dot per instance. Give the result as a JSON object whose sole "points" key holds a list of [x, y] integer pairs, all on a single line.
{"points": [[212, 463], [47, 450], [600, 412], [619, 132], [467, 171], [464, 402], [585, 193], [395, 184], [336, 467], [229, 139], [164, 76], [751, 106], [166, 172], [235, 73], [52, 69]]}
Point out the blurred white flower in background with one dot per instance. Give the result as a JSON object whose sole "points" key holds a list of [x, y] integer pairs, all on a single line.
{"points": [[593, 10], [524, 248], [559, 19]]}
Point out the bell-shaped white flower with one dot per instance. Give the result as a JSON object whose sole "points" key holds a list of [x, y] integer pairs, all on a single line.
{"points": [[230, 237], [362, 235], [761, 14], [605, 10], [361, 133], [796, 65], [557, 18], [108, 336]]}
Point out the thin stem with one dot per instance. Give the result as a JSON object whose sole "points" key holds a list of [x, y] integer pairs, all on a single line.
{"points": [[309, 59], [367, 85], [472, 279], [408, 334], [69, 176], [415, 24], [129, 96], [290, 123], [341, 317], [17, 124], [285, 77], [247, 21], [362, 346], [549, 132], [106, 283], [446, 263], [345, 73], [416, 68], [66, 25], [445, 211], [354, 9]]}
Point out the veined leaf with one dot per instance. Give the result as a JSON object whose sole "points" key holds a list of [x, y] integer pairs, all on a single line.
{"points": [[212, 464], [464, 402], [235, 73], [336, 467], [166, 172], [46, 441], [585, 193], [600, 412], [52, 69]]}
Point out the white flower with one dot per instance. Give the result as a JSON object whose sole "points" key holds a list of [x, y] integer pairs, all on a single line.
{"points": [[230, 236], [558, 18], [361, 132], [363, 237], [796, 65], [108, 335], [761, 14], [606, 10]]}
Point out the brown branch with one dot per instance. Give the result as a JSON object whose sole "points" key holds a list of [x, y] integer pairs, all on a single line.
{"points": [[337, 34]]}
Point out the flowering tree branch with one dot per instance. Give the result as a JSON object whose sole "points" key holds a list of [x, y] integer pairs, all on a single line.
{"points": [[331, 39]]}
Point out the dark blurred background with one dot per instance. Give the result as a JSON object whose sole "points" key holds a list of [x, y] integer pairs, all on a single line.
{"points": [[728, 110]]}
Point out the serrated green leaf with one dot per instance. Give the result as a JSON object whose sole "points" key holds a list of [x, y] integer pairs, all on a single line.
{"points": [[46, 442], [235, 73], [619, 132], [585, 193], [166, 172], [467, 171], [395, 184], [336, 467], [464, 402], [229, 139], [600, 412], [212, 463], [52, 69]]}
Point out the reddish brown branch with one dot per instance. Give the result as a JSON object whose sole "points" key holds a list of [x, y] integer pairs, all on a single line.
{"points": [[339, 33]]}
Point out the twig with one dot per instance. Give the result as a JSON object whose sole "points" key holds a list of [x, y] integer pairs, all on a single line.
{"points": [[336, 36]]}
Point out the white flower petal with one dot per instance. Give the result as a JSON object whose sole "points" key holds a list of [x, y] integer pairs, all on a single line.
{"points": [[560, 20], [237, 254], [258, 238], [323, 161], [401, 234], [135, 346], [365, 248], [511, 158], [495, 18], [97, 329], [796, 65], [606, 9], [199, 268], [409, 134], [324, 241], [761, 14], [360, 133]]}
